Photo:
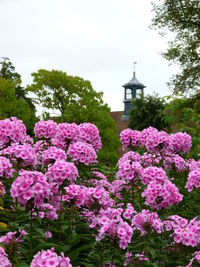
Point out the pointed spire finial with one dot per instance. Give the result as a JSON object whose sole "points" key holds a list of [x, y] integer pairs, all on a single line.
{"points": [[134, 64]]}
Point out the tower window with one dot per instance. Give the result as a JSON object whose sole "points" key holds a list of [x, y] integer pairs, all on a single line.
{"points": [[128, 94]]}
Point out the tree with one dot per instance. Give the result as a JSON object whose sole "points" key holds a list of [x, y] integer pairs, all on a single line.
{"points": [[76, 101], [183, 114], [10, 106], [7, 71], [182, 17], [147, 111]]}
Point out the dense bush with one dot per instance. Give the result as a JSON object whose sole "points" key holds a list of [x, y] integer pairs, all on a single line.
{"points": [[183, 114], [59, 207], [147, 111]]}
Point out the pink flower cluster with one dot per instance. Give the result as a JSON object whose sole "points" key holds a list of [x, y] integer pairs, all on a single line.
{"points": [[82, 152], [50, 258], [174, 160], [109, 223], [92, 198], [89, 133], [153, 173], [149, 159], [5, 168], [129, 138], [180, 142], [45, 129], [161, 194], [4, 261], [75, 194], [98, 196], [155, 141], [11, 237], [30, 185], [117, 186], [24, 153], [193, 165], [131, 156], [147, 222], [129, 166], [129, 211], [11, 131], [62, 171], [66, 133], [187, 233], [48, 211], [193, 180], [52, 154]]}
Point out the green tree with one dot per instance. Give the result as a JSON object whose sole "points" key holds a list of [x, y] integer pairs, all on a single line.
{"points": [[10, 106], [147, 111], [7, 71], [77, 101], [182, 17], [183, 114]]}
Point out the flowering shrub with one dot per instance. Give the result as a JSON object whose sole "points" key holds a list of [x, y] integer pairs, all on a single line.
{"points": [[65, 202]]}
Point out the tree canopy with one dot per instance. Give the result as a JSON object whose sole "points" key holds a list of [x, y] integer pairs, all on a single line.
{"points": [[10, 106], [182, 17], [76, 101], [7, 71], [147, 111]]}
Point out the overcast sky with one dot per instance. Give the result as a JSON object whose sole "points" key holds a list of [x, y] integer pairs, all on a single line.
{"points": [[97, 40]]}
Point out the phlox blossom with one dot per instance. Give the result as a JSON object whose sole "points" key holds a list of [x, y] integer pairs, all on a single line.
{"points": [[50, 258], [4, 261]]}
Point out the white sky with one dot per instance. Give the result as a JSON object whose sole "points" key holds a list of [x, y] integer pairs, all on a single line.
{"points": [[97, 40]]}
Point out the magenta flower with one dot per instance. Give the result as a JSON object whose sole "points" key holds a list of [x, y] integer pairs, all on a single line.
{"points": [[30, 185], [4, 261], [49, 258], [82, 152]]}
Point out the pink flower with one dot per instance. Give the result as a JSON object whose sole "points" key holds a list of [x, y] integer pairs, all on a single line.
{"points": [[62, 171], [147, 221], [52, 154], [6, 169], [193, 180], [89, 133], [45, 129], [129, 138], [30, 185], [161, 194], [4, 261], [12, 131], [82, 152], [47, 234], [49, 258], [66, 133]]}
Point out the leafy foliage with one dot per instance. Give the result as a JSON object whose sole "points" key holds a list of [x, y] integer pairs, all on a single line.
{"points": [[7, 71], [181, 17], [183, 114], [147, 111], [11, 106], [76, 101]]}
